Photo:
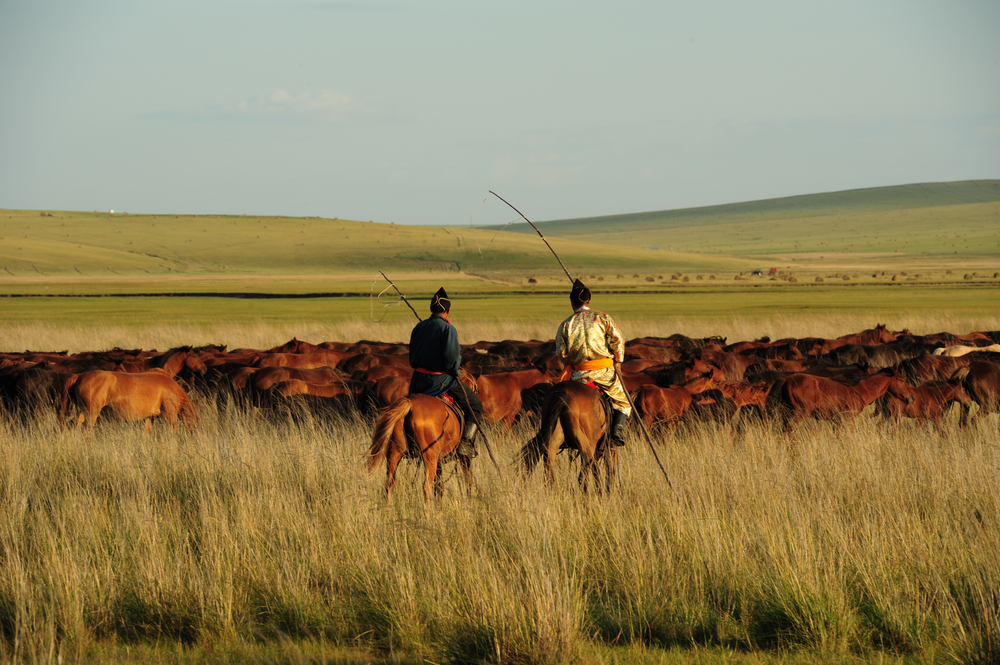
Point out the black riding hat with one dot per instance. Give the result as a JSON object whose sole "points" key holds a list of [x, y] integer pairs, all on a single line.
{"points": [[580, 292], [440, 302]]}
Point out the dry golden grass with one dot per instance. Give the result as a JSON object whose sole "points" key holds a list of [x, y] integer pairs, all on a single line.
{"points": [[252, 532], [879, 541], [18, 337]]}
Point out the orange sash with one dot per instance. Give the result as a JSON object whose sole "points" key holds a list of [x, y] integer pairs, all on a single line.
{"points": [[600, 363]]}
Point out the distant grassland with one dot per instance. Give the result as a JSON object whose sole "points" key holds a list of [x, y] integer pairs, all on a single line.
{"points": [[904, 224], [889, 254], [930, 227], [96, 245]]}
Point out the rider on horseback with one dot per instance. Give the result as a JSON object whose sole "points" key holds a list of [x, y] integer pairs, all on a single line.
{"points": [[435, 357], [591, 347]]}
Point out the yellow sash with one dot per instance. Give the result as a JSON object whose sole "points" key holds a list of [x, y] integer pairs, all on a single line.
{"points": [[600, 363]]}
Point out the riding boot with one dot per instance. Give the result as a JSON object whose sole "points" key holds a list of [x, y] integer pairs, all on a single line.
{"points": [[618, 422], [467, 447]]}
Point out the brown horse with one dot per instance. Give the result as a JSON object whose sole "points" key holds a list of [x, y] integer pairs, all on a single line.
{"points": [[667, 405], [417, 426], [928, 402], [981, 381], [131, 397], [572, 416], [801, 396]]}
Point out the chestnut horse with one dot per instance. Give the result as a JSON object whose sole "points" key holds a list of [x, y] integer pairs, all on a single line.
{"points": [[417, 426], [800, 396], [981, 381], [131, 397], [572, 415]]}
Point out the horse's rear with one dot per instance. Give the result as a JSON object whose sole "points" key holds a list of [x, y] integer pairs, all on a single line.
{"points": [[572, 414], [433, 429]]}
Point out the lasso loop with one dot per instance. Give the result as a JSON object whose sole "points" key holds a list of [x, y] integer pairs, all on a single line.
{"points": [[386, 304]]}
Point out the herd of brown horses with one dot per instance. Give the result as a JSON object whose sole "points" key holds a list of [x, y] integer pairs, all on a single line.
{"points": [[673, 380]]}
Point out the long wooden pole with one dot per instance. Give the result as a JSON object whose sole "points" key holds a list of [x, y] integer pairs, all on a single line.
{"points": [[618, 373], [538, 232], [642, 425]]}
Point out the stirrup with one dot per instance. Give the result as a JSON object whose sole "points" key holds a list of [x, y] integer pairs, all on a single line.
{"points": [[466, 449]]}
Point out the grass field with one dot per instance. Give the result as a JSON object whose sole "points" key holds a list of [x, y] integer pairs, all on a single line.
{"points": [[919, 228], [263, 540]]}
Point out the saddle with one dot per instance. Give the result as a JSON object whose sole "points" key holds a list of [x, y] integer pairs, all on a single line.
{"points": [[450, 402]]}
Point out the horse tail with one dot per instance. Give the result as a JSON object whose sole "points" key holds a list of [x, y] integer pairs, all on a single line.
{"points": [[552, 410], [65, 398], [384, 428]]}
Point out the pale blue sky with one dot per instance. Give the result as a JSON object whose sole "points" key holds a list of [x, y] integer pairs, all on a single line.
{"points": [[409, 112]]}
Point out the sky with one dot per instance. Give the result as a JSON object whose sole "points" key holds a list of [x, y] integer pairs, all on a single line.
{"points": [[410, 112]]}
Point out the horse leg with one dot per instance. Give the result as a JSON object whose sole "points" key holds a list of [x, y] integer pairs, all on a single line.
{"points": [[90, 418], [793, 421], [556, 440], [508, 421], [169, 413], [588, 467], [611, 468], [466, 465], [392, 458], [438, 483], [431, 466], [588, 462]]}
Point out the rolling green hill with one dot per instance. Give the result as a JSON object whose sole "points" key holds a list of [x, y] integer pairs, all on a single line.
{"points": [[958, 219], [98, 245], [931, 227]]}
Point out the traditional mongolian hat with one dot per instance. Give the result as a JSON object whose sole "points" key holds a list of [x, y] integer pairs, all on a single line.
{"points": [[440, 302], [580, 292]]}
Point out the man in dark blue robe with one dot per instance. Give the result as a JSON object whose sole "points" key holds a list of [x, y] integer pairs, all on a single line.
{"points": [[435, 357]]}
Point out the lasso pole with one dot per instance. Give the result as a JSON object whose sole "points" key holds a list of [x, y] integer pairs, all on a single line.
{"points": [[538, 232], [401, 295], [642, 425]]}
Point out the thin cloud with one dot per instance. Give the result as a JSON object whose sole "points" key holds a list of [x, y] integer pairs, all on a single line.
{"points": [[351, 7], [276, 106], [280, 102]]}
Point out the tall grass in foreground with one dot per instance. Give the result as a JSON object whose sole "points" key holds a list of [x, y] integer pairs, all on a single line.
{"points": [[883, 540]]}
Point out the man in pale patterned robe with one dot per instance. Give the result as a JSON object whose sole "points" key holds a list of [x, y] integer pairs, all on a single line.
{"points": [[591, 346]]}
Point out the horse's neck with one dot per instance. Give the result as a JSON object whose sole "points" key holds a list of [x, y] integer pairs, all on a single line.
{"points": [[174, 363], [873, 387]]}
